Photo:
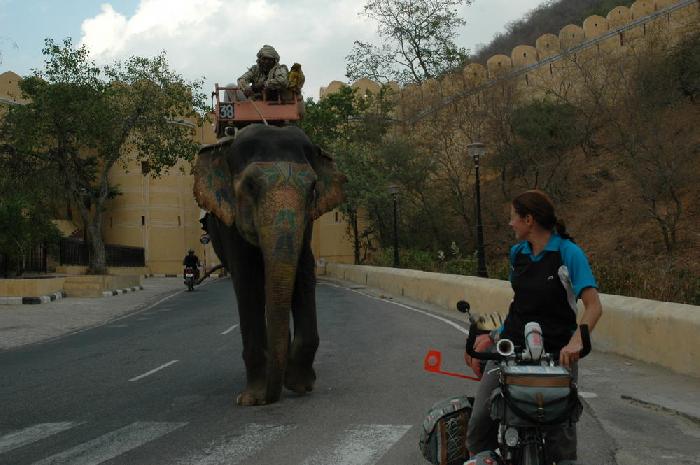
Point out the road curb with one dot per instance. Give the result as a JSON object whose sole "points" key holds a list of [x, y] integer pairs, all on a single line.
{"points": [[32, 300], [654, 405], [121, 291]]}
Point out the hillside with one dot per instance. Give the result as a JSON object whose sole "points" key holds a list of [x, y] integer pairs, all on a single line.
{"points": [[548, 17]]}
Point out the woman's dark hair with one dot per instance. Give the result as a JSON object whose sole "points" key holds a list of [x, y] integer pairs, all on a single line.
{"points": [[538, 204]]}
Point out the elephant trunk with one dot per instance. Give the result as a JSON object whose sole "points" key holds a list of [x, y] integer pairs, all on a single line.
{"points": [[280, 235]]}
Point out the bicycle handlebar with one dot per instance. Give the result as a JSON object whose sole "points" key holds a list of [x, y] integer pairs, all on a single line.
{"points": [[474, 331]]}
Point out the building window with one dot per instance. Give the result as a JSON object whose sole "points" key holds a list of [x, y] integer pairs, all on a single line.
{"points": [[111, 222], [179, 222], [622, 39], [337, 217], [143, 221]]}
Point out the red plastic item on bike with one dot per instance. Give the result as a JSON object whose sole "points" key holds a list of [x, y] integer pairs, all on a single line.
{"points": [[432, 364]]}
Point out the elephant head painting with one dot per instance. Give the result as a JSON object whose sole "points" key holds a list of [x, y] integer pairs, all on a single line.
{"points": [[263, 189]]}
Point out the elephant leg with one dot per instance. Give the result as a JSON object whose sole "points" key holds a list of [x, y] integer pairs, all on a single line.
{"points": [[249, 284], [300, 375]]}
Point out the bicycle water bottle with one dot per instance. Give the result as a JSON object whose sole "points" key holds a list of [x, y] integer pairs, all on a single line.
{"points": [[533, 340]]}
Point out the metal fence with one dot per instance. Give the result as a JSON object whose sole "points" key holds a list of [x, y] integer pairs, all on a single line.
{"points": [[35, 261], [76, 252]]}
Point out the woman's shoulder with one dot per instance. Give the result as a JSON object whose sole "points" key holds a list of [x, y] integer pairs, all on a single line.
{"points": [[569, 250]]}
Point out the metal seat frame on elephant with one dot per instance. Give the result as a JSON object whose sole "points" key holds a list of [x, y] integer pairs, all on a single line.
{"points": [[237, 112]]}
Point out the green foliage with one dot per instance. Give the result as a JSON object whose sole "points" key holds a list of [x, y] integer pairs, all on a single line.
{"points": [[82, 120], [417, 41], [23, 227], [352, 128], [425, 260], [543, 132], [664, 283]]}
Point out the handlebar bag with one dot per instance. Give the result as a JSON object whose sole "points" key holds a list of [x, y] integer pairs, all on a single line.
{"points": [[443, 438], [535, 396]]}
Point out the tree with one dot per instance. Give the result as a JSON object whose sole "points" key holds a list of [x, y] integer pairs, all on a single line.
{"points": [[82, 120], [417, 41], [352, 127], [544, 133], [25, 210]]}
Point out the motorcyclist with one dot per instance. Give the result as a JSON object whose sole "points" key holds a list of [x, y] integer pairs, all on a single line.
{"points": [[548, 273], [191, 260]]}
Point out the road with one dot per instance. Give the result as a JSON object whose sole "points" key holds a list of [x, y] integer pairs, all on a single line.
{"points": [[158, 387]]}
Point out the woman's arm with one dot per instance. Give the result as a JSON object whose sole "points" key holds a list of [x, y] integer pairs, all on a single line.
{"points": [[591, 314]]}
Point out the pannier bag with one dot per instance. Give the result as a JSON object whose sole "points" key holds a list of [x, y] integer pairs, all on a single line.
{"points": [[443, 439], [535, 396]]}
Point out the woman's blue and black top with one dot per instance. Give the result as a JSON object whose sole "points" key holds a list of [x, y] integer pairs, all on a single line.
{"points": [[546, 288]]}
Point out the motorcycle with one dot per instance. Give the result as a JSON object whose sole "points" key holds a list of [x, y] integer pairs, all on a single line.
{"points": [[190, 278], [534, 396]]}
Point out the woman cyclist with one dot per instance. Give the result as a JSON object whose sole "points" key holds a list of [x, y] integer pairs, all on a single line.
{"points": [[548, 273]]}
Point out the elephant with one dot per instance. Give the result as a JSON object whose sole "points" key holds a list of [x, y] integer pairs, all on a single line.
{"points": [[263, 189]]}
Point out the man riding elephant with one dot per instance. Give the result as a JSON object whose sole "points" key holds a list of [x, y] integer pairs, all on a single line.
{"points": [[267, 74]]}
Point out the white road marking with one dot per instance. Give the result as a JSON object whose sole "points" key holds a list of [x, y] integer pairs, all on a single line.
{"points": [[31, 434], [230, 329], [413, 309], [165, 365], [112, 444], [587, 395], [237, 449], [361, 445]]}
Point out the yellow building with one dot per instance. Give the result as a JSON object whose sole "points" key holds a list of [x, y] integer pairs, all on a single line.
{"points": [[161, 215]]}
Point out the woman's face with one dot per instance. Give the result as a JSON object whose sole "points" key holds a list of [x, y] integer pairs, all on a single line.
{"points": [[521, 226]]}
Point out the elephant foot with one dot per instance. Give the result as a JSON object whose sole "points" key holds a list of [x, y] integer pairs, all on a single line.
{"points": [[300, 380], [252, 396]]}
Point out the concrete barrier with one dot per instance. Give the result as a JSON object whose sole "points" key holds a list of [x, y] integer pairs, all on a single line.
{"points": [[95, 285], [664, 333], [30, 287]]}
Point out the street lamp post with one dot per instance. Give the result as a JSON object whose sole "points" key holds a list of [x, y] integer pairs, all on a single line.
{"points": [[394, 191], [476, 151]]}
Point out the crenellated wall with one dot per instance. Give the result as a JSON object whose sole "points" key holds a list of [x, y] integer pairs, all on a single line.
{"points": [[529, 64]]}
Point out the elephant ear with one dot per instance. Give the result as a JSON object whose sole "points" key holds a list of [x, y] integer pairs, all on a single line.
{"points": [[213, 187], [329, 182]]}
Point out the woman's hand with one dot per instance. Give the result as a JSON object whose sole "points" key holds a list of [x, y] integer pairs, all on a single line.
{"points": [[569, 354], [481, 344]]}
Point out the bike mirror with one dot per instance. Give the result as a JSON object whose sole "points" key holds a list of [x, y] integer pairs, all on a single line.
{"points": [[463, 306], [432, 361]]}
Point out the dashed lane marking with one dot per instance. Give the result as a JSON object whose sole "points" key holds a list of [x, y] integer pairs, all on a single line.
{"points": [[230, 329], [148, 373]]}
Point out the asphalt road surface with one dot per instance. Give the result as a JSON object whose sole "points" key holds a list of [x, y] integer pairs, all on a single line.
{"points": [[159, 387]]}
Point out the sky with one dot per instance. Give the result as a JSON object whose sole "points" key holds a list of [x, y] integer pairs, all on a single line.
{"points": [[216, 40]]}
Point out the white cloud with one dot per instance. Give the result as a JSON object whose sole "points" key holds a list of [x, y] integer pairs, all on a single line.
{"points": [[218, 39]]}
